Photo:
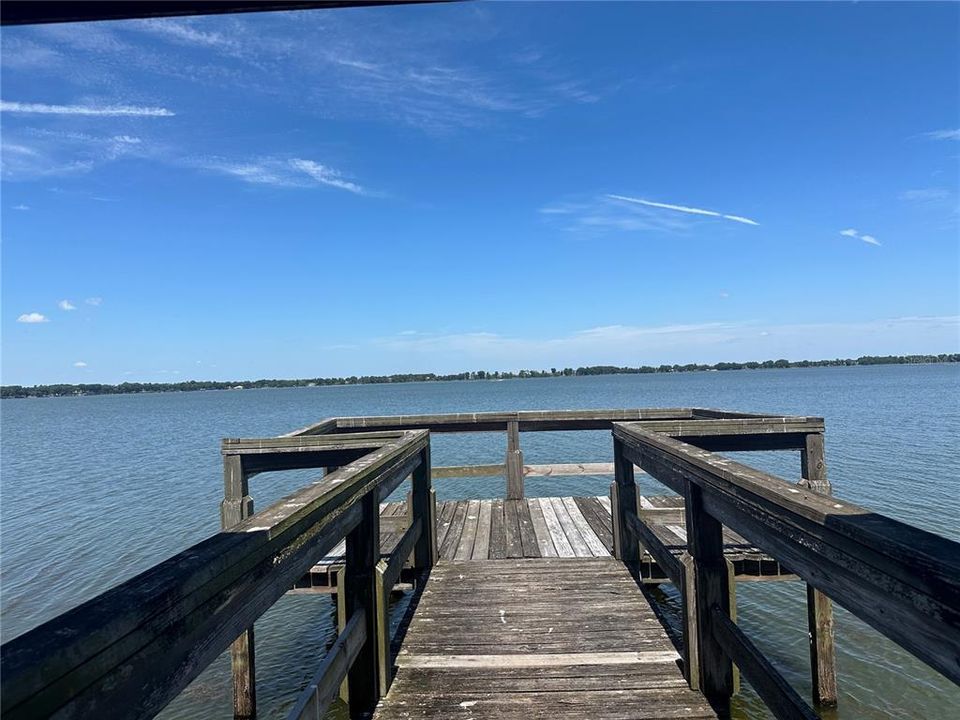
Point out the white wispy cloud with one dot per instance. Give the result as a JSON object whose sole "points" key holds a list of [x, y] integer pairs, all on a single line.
{"points": [[96, 110], [325, 175], [33, 317], [66, 305], [944, 134], [852, 233], [79, 364], [21, 207], [94, 301], [925, 194], [280, 172], [684, 209], [187, 33]]}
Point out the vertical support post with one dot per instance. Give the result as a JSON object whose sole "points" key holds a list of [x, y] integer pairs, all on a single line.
{"points": [[688, 595], [823, 669], [626, 487], [382, 602], [341, 623], [359, 593], [615, 520], [711, 589], [237, 506], [514, 462], [423, 506]]}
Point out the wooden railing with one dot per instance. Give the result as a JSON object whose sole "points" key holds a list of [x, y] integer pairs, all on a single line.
{"points": [[711, 429], [903, 581], [129, 651]]}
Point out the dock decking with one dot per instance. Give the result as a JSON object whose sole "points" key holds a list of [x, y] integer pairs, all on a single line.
{"points": [[558, 637], [565, 527]]}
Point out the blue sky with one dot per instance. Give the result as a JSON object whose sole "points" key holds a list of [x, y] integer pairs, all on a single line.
{"points": [[491, 186]]}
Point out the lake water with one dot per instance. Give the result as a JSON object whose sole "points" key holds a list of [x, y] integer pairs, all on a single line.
{"points": [[95, 489]]}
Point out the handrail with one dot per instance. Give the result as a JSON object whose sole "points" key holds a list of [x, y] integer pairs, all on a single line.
{"points": [[851, 554], [129, 651]]}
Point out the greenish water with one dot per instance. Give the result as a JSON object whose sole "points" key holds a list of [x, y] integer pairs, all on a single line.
{"points": [[94, 489]]}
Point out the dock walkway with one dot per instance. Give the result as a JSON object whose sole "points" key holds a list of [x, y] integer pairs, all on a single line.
{"points": [[537, 638]]}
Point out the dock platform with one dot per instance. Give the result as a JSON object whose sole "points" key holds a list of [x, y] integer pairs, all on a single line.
{"points": [[559, 637]]}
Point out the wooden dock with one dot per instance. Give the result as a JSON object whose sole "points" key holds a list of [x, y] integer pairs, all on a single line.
{"points": [[521, 607], [559, 638]]}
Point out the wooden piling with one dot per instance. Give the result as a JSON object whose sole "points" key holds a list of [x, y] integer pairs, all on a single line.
{"points": [[711, 589], [236, 507], [514, 462], [626, 487], [359, 594], [823, 670]]}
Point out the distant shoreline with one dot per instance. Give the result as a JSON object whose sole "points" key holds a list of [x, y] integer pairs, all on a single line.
{"points": [[65, 389]]}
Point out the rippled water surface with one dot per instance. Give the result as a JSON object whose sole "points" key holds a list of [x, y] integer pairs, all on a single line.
{"points": [[95, 489]]}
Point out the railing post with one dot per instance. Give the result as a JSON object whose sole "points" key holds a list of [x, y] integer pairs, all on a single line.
{"points": [[237, 506], [382, 603], [423, 503], [615, 520], [626, 497], [711, 588], [359, 593], [514, 462], [813, 470]]}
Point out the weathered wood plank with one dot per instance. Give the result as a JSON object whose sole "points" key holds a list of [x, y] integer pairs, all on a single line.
{"points": [[469, 535], [528, 538], [452, 540], [481, 548], [544, 541], [498, 535], [594, 545], [511, 527], [580, 547], [559, 538]]}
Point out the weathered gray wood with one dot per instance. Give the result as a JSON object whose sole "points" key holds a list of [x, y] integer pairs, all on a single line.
{"points": [[528, 537], [593, 543], [511, 529], [381, 602], [559, 538], [462, 471], [545, 544], [468, 537], [813, 470], [236, 507], [481, 548], [852, 555], [626, 506], [711, 589], [514, 639], [667, 561], [393, 567], [313, 702], [782, 700], [614, 504], [822, 653], [360, 594], [498, 535], [514, 462]]}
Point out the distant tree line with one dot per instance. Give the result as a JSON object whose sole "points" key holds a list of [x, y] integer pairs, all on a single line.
{"points": [[20, 391]]}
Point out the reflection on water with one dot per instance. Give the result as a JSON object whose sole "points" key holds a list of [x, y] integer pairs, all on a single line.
{"points": [[78, 472]]}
